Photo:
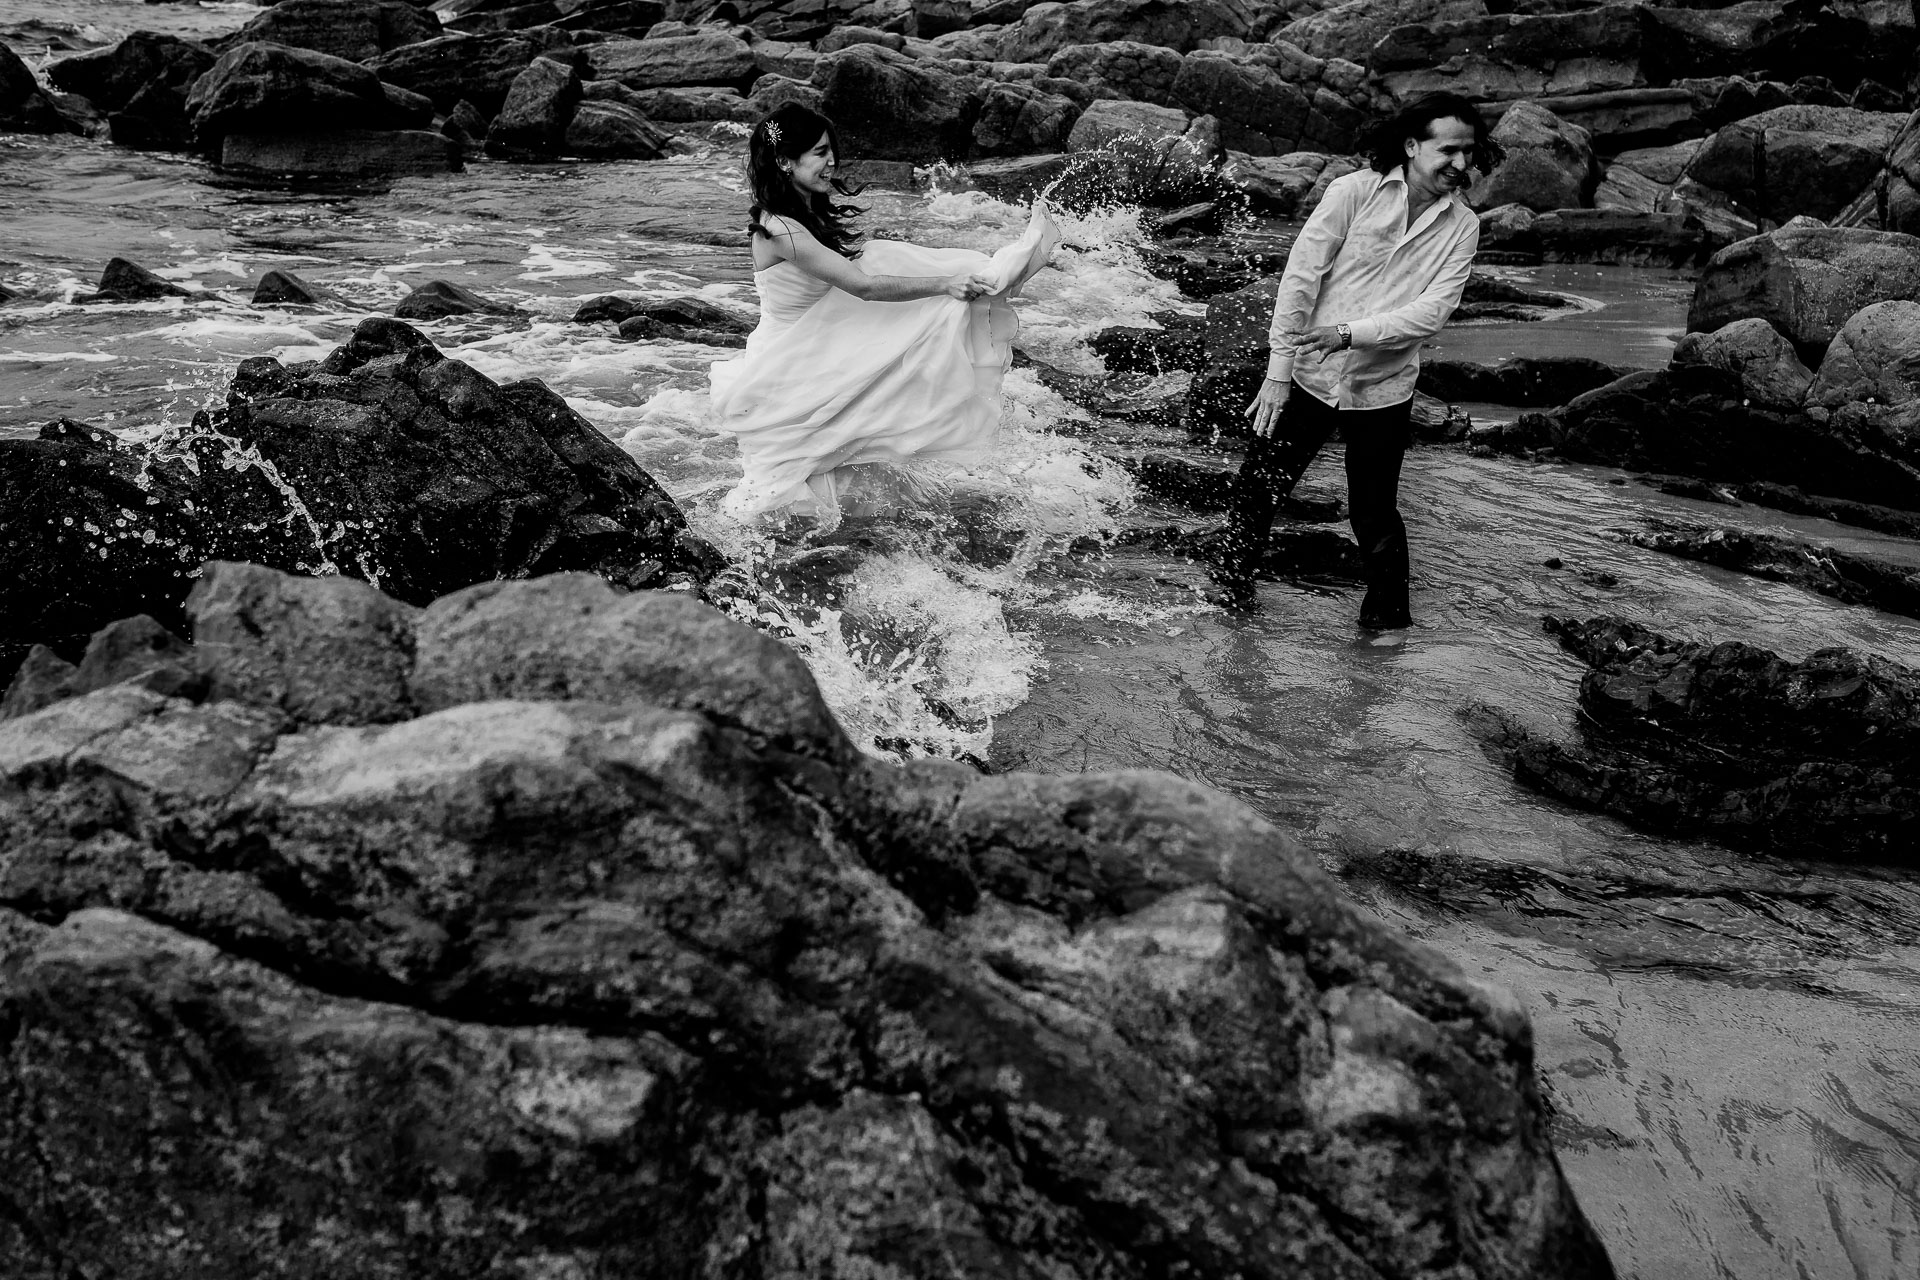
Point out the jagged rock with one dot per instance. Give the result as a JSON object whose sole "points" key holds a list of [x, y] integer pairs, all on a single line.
{"points": [[352, 29], [397, 464], [110, 77], [465, 124], [1875, 358], [1695, 419], [125, 281], [516, 16], [1797, 160], [621, 944], [1805, 281], [280, 288], [709, 58], [1663, 165], [539, 106], [1754, 351], [439, 298], [642, 328], [1016, 180], [1120, 68], [345, 153], [1018, 119], [1549, 164], [1045, 29], [889, 107], [480, 69], [1733, 743], [1273, 185], [266, 88], [1259, 112], [1178, 344], [1523, 380], [614, 131], [24, 106], [605, 307], [1842, 575]]}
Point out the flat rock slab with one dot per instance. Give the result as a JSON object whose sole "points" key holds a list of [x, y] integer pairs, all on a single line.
{"points": [[348, 153]]}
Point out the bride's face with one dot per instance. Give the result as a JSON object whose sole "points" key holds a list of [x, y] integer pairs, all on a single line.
{"points": [[812, 170]]}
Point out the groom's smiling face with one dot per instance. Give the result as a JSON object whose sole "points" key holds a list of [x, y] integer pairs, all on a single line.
{"points": [[813, 168]]}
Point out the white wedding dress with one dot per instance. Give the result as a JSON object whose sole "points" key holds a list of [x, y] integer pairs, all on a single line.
{"points": [[829, 382]]}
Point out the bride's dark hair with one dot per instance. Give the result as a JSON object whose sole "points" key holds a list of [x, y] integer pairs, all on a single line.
{"points": [[786, 134]]}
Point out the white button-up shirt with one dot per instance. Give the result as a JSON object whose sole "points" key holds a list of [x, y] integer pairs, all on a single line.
{"points": [[1358, 262]]}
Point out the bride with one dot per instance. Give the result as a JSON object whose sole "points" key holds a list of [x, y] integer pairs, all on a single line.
{"points": [[884, 353]]}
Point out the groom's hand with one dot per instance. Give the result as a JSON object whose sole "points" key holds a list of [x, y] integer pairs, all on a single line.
{"points": [[1266, 407]]}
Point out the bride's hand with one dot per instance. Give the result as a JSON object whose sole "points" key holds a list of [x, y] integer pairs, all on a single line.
{"points": [[968, 285]]}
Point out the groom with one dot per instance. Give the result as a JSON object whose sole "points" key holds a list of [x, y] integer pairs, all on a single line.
{"points": [[1378, 268]]}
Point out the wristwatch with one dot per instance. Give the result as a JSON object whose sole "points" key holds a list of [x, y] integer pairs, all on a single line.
{"points": [[1346, 335]]}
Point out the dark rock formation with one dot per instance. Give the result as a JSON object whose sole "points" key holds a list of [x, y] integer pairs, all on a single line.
{"points": [[352, 29], [539, 105], [141, 83], [888, 106], [24, 106], [479, 69], [1841, 575], [280, 288], [1693, 419], [125, 281], [1733, 743], [1019, 119], [708, 58], [613, 131], [437, 299], [387, 461], [580, 930], [267, 88], [1548, 163], [1523, 380], [351, 154], [1805, 281], [1797, 159], [1177, 344]]}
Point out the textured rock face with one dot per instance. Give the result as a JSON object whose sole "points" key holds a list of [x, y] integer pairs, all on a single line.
{"points": [[1735, 743], [619, 953], [1259, 112], [710, 58], [352, 29], [613, 131], [478, 68], [889, 107], [1805, 281], [1124, 68], [1874, 358], [1549, 163], [1797, 160], [267, 88], [141, 83], [533, 120], [1754, 351], [387, 461], [24, 106], [1017, 119], [1045, 29]]}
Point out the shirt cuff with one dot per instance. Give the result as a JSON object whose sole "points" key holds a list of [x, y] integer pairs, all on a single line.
{"points": [[1366, 333], [1280, 365]]}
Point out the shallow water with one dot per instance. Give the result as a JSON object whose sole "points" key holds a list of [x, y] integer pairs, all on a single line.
{"points": [[1731, 1041]]}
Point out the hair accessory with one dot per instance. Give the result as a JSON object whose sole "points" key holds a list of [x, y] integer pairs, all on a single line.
{"points": [[773, 133]]}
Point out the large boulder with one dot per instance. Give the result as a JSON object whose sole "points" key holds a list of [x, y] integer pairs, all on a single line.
{"points": [[1549, 163], [1875, 358], [1806, 281], [1733, 742], [1259, 112], [1796, 160], [597, 940], [141, 83], [24, 106], [267, 88], [480, 69], [1758, 354], [1018, 119], [387, 462], [533, 120], [1180, 25], [1137, 153], [352, 29], [1273, 186], [370, 154], [708, 58], [888, 106], [1766, 40], [613, 131], [1513, 56], [1352, 29], [1120, 68]]}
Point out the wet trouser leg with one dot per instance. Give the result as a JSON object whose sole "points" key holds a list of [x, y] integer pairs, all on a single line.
{"points": [[1376, 441], [1273, 465]]}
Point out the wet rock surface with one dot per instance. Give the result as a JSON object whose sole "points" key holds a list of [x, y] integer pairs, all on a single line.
{"points": [[387, 461], [1732, 743], [1842, 575], [651, 971]]}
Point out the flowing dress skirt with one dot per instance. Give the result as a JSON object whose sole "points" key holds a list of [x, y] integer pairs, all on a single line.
{"points": [[829, 382]]}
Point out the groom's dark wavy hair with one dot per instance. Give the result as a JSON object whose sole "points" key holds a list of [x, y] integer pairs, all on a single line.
{"points": [[1385, 144], [798, 128]]}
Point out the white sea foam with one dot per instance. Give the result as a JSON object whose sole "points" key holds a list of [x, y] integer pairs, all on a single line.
{"points": [[58, 357]]}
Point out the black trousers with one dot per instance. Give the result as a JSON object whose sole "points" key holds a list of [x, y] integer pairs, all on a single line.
{"points": [[1376, 441]]}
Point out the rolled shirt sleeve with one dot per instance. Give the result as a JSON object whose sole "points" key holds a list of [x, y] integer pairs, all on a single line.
{"points": [[1427, 314]]}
